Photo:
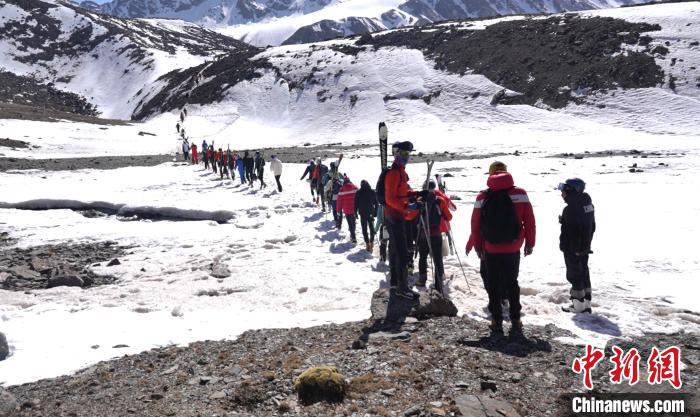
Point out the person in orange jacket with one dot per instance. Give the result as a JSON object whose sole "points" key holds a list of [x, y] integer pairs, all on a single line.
{"points": [[401, 206]]}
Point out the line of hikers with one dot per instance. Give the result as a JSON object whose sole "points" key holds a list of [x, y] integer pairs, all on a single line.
{"points": [[226, 162], [418, 222]]}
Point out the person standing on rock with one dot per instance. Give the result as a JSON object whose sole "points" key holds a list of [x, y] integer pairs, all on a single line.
{"points": [[260, 169], [502, 220], [309, 171], [438, 222], [195, 159], [240, 164], [366, 206], [577, 229], [346, 204], [276, 167], [401, 207]]}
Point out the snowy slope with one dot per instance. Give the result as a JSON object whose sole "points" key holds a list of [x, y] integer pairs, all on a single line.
{"points": [[107, 60], [268, 22]]}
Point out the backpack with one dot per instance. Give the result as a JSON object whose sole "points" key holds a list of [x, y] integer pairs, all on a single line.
{"points": [[379, 189], [432, 206], [499, 222], [337, 185]]}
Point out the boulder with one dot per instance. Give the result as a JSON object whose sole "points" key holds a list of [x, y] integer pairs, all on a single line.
{"points": [[322, 383], [389, 308], [219, 270], [8, 404], [483, 406], [4, 347], [65, 281], [114, 262], [23, 272]]}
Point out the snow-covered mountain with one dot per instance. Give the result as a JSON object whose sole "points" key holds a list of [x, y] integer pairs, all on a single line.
{"points": [[105, 59], [273, 22]]}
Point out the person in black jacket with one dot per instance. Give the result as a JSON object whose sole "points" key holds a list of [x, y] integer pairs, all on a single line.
{"points": [[260, 169], [309, 170], [366, 207], [249, 164], [577, 228]]}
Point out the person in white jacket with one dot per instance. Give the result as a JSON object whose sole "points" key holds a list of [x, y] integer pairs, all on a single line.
{"points": [[276, 167]]}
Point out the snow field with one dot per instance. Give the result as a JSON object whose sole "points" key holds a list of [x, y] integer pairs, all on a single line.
{"points": [[641, 269]]}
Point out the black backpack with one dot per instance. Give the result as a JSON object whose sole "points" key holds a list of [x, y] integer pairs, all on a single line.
{"points": [[499, 222], [432, 206], [379, 189]]}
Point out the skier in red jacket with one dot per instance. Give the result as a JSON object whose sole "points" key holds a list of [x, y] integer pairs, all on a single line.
{"points": [[499, 243], [195, 160]]}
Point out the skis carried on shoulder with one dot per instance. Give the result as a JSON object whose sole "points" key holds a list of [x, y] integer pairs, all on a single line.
{"points": [[427, 178], [383, 145]]}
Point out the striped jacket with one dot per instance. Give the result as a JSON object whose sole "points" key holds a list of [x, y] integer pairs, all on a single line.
{"points": [[523, 209]]}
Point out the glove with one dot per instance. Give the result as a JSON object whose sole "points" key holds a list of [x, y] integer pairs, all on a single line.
{"points": [[528, 250], [413, 206], [423, 194]]}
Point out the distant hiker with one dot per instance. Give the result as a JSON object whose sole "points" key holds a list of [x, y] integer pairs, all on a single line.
{"points": [[332, 182], [401, 207], [177, 127], [577, 229], [217, 160], [240, 164], [232, 164], [317, 176], [502, 220], [276, 167], [346, 205], [182, 117], [366, 206], [185, 150], [312, 183], [205, 147], [223, 163], [260, 169], [249, 164], [207, 158], [195, 157], [437, 216]]}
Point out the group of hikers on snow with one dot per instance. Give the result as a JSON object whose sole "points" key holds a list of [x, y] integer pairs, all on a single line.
{"points": [[226, 163], [418, 222], [409, 223]]}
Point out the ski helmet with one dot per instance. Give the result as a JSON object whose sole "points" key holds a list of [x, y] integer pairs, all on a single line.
{"points": [[432, 185], [572, 184]]}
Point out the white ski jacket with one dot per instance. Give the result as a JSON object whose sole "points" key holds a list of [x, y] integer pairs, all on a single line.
{"points": [[276, 166]]}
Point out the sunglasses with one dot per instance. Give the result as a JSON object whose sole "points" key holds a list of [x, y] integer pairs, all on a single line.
{"points": [[403, 153], [562, 186]]}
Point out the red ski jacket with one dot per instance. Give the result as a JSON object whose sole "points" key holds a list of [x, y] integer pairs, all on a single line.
{"points": [[397, 193], [523, 209], [346, 198]]}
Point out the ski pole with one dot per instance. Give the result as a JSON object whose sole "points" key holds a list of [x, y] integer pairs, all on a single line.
{"points": [[460, 266]]}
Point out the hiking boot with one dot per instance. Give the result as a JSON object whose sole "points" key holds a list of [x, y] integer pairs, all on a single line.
{"points": [[496, 326], [587, 306], [516, 326], [371, 246], [368, 248]]}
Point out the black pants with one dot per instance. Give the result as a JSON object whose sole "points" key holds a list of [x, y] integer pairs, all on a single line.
{"points": [[206, 162], [320, 194], [398, 253], [337, 215], [485, 279], [232, 169], [249, 176], [366, 223], [424, 251], [382, 243], [213, 165], [279, 184], [185, 156], [502, 271], [351, 226], [578, 275]]}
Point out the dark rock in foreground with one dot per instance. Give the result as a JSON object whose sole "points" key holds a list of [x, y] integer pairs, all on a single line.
{"points": [[390, 308], [445, 359], [4, 348]]}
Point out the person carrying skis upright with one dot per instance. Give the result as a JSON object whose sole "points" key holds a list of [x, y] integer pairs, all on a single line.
{"points": [[346, 205], [195, 159], [366, 206], [438, 222], [577, 229], [312, 184], [249, 163], [401, 207], [502, 220], [240, 164], [260, 169], [332, 183], [276, 167]]}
